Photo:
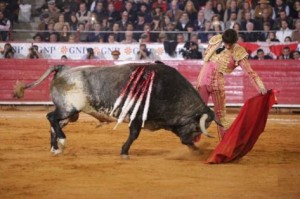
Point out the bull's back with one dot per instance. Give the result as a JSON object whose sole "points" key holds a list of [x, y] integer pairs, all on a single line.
{"points": [[96, 88]]}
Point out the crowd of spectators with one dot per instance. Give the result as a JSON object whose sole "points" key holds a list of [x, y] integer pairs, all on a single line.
{"points": [[144, 21]]}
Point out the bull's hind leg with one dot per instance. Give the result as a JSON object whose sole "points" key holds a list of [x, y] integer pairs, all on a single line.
{"points": [[58, 120], [134, 132]]}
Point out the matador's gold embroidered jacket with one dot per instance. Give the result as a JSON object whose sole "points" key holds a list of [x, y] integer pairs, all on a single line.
{"points": [[228, 60]]}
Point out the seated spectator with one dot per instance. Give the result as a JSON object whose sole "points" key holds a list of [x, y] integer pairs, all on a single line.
{"points": [[219, 10], [72, 38], [157, 27], [232, 20], [111, 39], [180, 38], [124, 20], [194, 38], [90, 54], [246, 8], [263, 4], [241, 37], [161, 4], [278, 7], [5, 26], [130, 11], [203, 35], [44, 21], [295, 10], [264, 34], [260, 55], [143, 53], [64, 35], [296, 32], [296, 55], [183, 23], [145, 38], [216, 21], [37, 38], [174, 13], [8, 52], [34, 53], [139, 24], [233, 7], [208, 12], [49, 31], [200, 21], [53, 38], [73, 23], [10, 9], [52, 10], [112, 14], [128, 38], [67, 12], [171, 35], [145, 11], [278, 21], [286, 53], [61, 22], [162, 37], [250, 35], [83, 15], [151, 36], [115, 55], [265, 18], [158, 13], [248, 18], [238, 28], [191, 10], [96, 34], [81, 33], [272, 37], [100, 11], [284, 31], [116, 31], [287, 39]]}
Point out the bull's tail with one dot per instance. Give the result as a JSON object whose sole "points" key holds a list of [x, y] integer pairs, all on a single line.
{"points": [[20, 87]]}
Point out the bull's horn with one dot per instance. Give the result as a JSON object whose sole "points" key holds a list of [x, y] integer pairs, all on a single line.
{"points": [[202, 125]]}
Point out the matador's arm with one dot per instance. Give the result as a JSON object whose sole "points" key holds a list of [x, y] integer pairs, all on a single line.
{"points": [[241, 58]]}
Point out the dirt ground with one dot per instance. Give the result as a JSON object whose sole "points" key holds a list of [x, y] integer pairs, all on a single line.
{"points": [[159, 165]]}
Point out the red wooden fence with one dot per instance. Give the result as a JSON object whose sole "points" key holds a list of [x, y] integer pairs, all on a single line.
{"points": [[283, 76]]}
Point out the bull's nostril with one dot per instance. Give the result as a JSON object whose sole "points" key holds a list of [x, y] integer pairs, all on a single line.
{"points": [[197, 138]]}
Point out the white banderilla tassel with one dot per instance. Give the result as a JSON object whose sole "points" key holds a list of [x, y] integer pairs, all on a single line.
{"points": [[147, 103], [138, 103], [129, 100], [123, 92]]}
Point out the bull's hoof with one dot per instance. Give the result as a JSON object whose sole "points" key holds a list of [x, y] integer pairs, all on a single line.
{"points": [[125, 157], [62, 143], [56, 152]]}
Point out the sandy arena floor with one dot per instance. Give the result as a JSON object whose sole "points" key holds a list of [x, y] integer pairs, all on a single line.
{"points": [[159, 166]]}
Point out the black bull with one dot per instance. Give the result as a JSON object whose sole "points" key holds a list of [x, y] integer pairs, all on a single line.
{"points": [[167, 100]]}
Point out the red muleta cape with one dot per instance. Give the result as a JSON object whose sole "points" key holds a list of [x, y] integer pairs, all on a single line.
{"points": [[243, 133]]}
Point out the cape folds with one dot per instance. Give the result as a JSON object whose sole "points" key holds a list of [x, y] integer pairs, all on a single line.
{"points": [[241, 136]]}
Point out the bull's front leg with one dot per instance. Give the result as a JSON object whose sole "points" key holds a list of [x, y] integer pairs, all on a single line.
{"points": [[134, 132]]}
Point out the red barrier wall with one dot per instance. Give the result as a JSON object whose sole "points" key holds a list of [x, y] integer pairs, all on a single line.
{"points": [[276, 74]]}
